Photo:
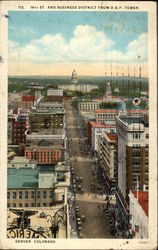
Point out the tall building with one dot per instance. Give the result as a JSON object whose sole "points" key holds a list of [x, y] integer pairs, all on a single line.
{"points": [[18, 130], [107, 154], [133, 151]]}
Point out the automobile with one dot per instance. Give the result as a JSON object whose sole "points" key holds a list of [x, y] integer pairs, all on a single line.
{"points": [[79, 224], [83, 217]]}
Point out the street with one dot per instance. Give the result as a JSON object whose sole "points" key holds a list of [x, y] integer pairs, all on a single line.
{"points": [[88, 202]]}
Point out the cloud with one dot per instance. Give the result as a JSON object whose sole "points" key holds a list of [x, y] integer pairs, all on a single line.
{"points": [[86, 45], [21, 31]]}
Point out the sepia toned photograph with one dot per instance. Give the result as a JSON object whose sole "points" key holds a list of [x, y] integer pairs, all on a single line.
{"points": [[78, 124]]}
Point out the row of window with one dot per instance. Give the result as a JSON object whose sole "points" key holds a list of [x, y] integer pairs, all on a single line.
{"points": [[46, 159], [20, 194], [44, 153], [32, 205]]}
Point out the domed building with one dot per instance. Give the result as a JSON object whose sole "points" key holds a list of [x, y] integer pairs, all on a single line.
{"points": [[75, 86], [74, 79]]}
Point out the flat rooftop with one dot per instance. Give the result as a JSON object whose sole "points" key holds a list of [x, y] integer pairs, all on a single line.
{"points": [[48, 111], [56, 143], [28, 178], [49, 131], [22, 178], [134, 119], [52, 99]]}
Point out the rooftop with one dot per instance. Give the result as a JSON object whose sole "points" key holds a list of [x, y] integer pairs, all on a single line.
{"points": [[101, 125], [22, 178], [43, 131], [106, 111], [142, 199], [112, 136], [52, 99], [48, 111], [29, 178], [42, 143], [138, 119]]}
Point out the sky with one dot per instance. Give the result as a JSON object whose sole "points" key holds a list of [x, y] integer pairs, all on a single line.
{"points": [[54, 43]]}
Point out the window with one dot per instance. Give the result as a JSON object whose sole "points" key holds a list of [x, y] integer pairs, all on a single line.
{"points": [[26, 204], [14, 204], [136, 153], [38, 194], [44, 204], [32, 194], [26, 195], [14, 195], [32, 205], [38, 204], [20, 195], [8, 204], [20, 204], [8, 195], [44, 194], [51, 194], [147, 136]]}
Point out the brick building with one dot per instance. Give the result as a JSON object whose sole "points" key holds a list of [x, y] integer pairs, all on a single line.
{"points": [[28, 100], [45, 151], [107, 153], [44, 118], [133, 151], [18, 130]]}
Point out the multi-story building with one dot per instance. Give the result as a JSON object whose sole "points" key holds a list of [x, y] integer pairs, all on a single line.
{"points": [[133, 151], [95, 129], [37, 187], [106, 115], [107, 154], [54, 92], [75, 86], [18, 130], [88, 105], [44, 118], [138, 201], [10, 129], [28, 101], [45, 151], [51, 102]]}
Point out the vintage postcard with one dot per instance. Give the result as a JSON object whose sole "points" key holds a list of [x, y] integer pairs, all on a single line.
{"points": [[78, 125]]}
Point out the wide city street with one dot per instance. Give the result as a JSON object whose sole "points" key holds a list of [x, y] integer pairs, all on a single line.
{"points": [[89, 204]]}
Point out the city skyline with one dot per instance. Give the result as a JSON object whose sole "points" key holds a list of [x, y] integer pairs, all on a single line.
{"points": [[52, 43]]}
